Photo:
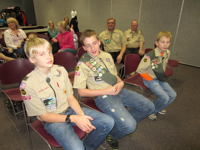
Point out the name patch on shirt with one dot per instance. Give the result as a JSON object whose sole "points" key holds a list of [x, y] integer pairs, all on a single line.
{"points": [[50, 103], [97, 79]]}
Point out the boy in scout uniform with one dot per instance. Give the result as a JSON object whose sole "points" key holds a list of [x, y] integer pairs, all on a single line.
{"points": [[96, 70], [134, 39], [47, 94], [152, 68], [113, 40]]}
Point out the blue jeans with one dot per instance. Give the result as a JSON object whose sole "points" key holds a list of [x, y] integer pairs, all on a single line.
{"points": [[68, 139], [18, 51], [125, 121], [164, 92], [73, 51]]}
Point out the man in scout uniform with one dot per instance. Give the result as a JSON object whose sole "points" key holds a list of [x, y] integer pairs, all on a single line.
{"points": [[152, 68], [47, 93], [134, 39], [113, 40], [96, 69]]}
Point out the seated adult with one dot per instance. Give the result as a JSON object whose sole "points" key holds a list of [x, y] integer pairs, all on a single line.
{"points": [[53, 31], [113, 40], [65, 38], [14, 36], [135, 40]]}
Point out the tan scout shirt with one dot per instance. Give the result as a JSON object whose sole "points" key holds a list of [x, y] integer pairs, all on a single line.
{"points": [[145, 66], [39, 97], [85, 76], [112, 41], [133, 39]]}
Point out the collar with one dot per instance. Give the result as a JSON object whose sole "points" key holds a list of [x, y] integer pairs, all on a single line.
{"points": [[157, 53], [100, 55], [133, 31], [114, 31], [42, 77]]}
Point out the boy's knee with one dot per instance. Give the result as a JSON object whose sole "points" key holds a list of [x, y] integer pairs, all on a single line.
{"points": [[129, 126], [109, 121], [173, 95]]}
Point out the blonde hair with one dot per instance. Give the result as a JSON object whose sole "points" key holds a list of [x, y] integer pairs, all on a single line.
{"points": [[53, 25], [64, 25], [35, 46], [32, 35], [167, 34], [86, 34], [9, 20]]}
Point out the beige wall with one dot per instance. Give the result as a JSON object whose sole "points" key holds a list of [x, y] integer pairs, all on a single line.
{"points": [[153, 16]]}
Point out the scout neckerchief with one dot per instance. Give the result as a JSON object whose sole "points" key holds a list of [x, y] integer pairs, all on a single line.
{"points": [[98, 69], [156, 66]]}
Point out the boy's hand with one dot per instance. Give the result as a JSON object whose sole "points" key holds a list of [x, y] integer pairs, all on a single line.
{"points": [[54, 40], [111, 90], [10, 50], [118, 87], [83, 122]]}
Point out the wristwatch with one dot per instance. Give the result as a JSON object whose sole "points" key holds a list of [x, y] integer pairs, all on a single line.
{"points": [[67, 120]]}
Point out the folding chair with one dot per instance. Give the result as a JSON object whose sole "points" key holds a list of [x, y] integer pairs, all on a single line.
{"points": [[68, 61], [38, 127], [131, 63], [80, 52], [13, 72]]}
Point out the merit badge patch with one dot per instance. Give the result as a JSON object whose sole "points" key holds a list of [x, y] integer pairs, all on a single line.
{"points": [[59, 72], [22, 85], [77, 73], [79, 63], [77, 68], [65, 91], [87, 63], [107, 59], [23, 92], [28, 97]]}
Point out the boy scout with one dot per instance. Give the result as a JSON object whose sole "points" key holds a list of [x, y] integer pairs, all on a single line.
{"points": [[134, 39], [47, 94], [152, 68], [96, 69], [113, 40]]}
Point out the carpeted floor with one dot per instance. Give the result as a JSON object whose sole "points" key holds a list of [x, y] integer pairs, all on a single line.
{"points": [[179, 129]]}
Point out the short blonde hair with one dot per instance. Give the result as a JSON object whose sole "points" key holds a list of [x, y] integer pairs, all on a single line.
{"points": [[64, 25], [167, 34], [9, 20], [32, 35], [35, 46]]}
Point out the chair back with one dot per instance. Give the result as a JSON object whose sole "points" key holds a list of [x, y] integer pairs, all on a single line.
{"points": [[15, 70], [65, 59], [2, 41], [79, 35], [80, 52], [43, 36], [148, 50], [131, 63]]}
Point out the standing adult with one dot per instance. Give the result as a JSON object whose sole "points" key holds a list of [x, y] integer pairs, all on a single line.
{"points": [[135, 40], [14, 36], [65, 38], [74, 22], [113, 40]]}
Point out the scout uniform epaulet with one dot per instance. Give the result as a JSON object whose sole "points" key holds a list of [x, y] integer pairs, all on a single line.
{"points": [[25, 78], [98, 69], [156, 66]]}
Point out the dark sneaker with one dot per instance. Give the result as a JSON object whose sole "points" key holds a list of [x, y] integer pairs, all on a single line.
{"points": [[112, 143], [153, 117], [163, 112]]}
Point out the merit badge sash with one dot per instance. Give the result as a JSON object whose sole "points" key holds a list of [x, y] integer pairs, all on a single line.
{"points": [[99, 70], [156, 66]]}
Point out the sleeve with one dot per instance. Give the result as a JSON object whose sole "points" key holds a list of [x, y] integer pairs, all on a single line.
{"points": [[68, 84], [57, 32], [34, 105], [8, 40], [23, 33], [81, 75], [141, 37], [145, 63], [50, 32]]}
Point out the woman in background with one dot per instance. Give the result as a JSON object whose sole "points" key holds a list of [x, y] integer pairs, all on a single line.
{"points": [[14, 36], [53, 31], [74, 21], [65, 38]]}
